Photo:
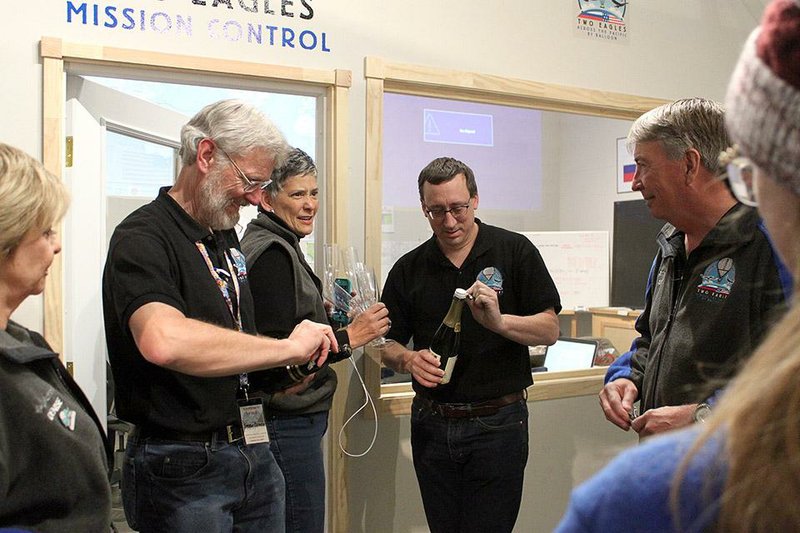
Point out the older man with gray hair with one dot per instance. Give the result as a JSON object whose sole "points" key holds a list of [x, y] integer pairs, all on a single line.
{"points": [[715, 284], [181, 338]]}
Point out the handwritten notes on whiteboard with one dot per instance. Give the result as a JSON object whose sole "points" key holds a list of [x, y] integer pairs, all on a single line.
{"points": [[578, 261]]}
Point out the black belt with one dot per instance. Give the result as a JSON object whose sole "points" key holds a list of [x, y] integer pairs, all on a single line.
{"points": [[230, 434], [466, 410]]}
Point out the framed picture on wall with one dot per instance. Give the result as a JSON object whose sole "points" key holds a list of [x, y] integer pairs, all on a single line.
{"points": [[626, 168]]}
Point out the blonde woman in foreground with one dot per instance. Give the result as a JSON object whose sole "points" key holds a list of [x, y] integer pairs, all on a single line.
{"points": [[53, 450]]}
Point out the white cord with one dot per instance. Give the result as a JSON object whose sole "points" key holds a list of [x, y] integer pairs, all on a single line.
{"points": [[367, 401]]}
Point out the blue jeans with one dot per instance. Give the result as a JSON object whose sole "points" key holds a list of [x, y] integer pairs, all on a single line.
{"points": [[296, 443], [178, 487], [470, 470]]}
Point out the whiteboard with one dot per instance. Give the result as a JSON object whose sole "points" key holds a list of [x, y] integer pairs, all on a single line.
{"points": [[578, 262]]}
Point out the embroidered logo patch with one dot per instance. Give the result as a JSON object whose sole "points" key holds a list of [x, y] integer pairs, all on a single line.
{"points": [[492, 277], [717, 280], [56, 409], [67, 418]]}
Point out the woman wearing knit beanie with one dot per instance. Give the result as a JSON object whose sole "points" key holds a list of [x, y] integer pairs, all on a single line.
{"points": [[740, 470]]}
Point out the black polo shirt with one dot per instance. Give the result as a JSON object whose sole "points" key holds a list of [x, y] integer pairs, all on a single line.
{"points": [[153, 257], [418, 292]]}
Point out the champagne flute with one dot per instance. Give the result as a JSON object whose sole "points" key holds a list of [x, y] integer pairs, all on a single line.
{"points": [[353, 270], [369, 294], [330, 254], [365, 287]]}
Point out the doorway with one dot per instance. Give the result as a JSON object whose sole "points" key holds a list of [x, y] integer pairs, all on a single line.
{"points": [[125, 136], [330, 88]]}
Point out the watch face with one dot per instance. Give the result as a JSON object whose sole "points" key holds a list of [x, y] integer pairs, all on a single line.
{"points": [[702, 412]]}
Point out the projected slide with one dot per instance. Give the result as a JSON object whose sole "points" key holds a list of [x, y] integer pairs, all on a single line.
{"points": [[452, 127], [502, 145]]}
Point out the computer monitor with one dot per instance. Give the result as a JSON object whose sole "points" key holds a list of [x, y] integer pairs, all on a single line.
{"points": [[570, 354]]}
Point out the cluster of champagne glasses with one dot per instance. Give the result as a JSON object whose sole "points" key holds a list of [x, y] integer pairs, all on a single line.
{"points": [[352, 293], [356, 291]]}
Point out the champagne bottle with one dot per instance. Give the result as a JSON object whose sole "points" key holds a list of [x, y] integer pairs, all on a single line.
{"points": [[445, 342], [282, 377]]}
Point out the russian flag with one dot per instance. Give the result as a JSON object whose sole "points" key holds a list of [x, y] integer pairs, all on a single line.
{"points": [[627, 172]]}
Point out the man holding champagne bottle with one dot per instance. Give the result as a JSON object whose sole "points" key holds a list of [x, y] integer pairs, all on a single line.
{"points": [[469, 436]]}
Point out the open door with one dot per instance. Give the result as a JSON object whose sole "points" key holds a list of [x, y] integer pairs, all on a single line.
{"points": [[118, 164]]}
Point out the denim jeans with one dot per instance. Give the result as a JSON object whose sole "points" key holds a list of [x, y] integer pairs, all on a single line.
{"points": [[470, 470], [187, 487], [296, 443]]}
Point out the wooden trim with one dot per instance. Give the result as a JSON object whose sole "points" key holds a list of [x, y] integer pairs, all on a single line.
{"points": [[50, 47], [109, 55], [460, 85], [52, 158], [396, 399], [373, 181], [339, 196], [344, 78]]}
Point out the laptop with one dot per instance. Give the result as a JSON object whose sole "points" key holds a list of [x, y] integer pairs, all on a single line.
{"points": [[570, 354]]}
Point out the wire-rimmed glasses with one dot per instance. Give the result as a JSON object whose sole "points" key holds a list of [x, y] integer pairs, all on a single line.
{"points": [[249, 185], [438, 213]]}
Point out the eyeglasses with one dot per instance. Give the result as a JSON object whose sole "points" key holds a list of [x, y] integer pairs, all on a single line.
{"points": [[438, 213], [739, 171], [249, 185]]}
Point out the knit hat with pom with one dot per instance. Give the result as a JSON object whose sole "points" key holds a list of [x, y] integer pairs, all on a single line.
{"points": [[763, 100]]}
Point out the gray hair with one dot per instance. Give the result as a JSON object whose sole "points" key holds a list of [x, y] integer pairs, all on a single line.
{"points": [[689, 123], [298, 163], [235, 126], [31, 198]]}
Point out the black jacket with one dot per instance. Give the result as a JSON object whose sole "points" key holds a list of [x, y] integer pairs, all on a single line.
{"points": [[704, 313], [53, 451]]}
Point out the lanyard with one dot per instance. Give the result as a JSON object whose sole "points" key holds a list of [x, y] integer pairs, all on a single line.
{"points": [[224, 288]]}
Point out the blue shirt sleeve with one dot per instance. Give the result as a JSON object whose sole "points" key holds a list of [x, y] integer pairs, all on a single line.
{"points": [[623, 366], [633, 492]]}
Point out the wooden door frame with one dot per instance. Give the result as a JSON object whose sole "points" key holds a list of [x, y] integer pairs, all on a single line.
{"points": [[57, 54]]}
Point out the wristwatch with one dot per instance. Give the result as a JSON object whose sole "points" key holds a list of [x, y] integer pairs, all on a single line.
{"points": [[701, 412]]}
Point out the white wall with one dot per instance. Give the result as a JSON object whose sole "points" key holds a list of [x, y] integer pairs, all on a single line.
{"points": [[588, 185], [675, 49]]}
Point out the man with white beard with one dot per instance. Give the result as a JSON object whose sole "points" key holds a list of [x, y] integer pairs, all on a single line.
{"points": [[181, 337]]}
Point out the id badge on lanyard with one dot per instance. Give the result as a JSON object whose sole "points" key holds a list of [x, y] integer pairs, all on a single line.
{"points": [[251, 411], [254, 425]]}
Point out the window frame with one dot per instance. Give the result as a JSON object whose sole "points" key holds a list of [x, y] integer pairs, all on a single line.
{"points": [[383, 76]]}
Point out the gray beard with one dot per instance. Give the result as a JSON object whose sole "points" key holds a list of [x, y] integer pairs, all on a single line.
{"points": [[212, 203]]}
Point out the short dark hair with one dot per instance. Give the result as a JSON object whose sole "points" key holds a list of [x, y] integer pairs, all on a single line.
{"points": [[444, 169]]}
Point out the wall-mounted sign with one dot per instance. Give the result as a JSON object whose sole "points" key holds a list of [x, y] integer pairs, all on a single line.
{"points": [[602, 19], [254, 22]]}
